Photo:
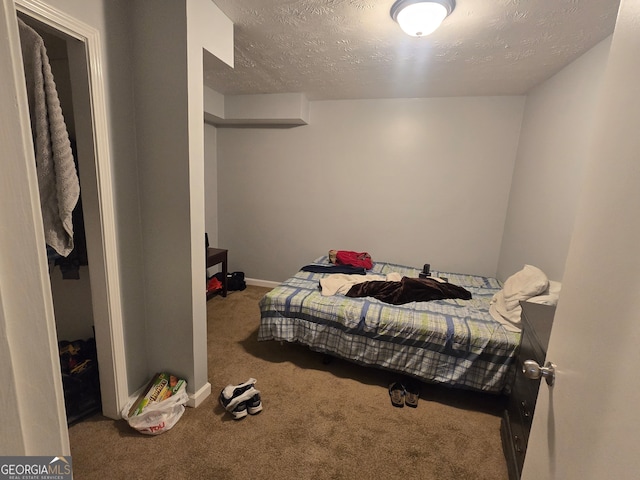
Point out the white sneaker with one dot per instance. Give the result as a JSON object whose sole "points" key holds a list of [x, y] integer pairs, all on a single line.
{"points": [[254, 404], [233, 397]]}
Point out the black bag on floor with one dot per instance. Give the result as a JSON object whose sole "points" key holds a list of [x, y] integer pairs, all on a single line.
{"points": [[235, 280]]}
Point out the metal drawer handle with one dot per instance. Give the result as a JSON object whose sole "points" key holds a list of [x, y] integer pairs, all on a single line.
{"points": [[517, 444], [533, 371]]}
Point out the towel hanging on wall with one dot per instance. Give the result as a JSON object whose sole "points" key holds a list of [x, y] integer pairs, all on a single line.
{"points": [[57, 175]]}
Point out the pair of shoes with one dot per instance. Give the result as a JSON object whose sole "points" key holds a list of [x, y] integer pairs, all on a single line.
{"points": [[241, 399], [396, 392], [402, 395]]}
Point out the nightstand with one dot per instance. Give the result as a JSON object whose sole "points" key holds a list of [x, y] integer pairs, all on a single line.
{"points": [[536, 321], [214, 257]]}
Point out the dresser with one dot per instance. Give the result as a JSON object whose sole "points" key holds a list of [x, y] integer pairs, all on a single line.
{"points": [[536, 321]]}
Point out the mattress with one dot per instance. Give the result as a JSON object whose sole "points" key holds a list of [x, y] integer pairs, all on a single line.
{"points": [[453, 342]]}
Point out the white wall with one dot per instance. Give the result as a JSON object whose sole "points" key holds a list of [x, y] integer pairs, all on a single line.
{"points": [[211, 191], [71, 297], [170, 132], [32, 401], [211, 182], [159, 39], [72, 305], [113, 20], [586, 427], [410, 181], [261, 170], [555, 143], [35, 382], [120, 102]]}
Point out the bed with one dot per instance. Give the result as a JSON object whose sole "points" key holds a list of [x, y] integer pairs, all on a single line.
{"points": [[452, 342]]}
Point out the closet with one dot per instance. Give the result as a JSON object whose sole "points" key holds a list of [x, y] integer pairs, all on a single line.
{"points": [[70, 275]]}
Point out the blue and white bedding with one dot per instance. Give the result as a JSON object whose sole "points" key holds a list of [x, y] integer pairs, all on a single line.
{"points": [[453, 342]]}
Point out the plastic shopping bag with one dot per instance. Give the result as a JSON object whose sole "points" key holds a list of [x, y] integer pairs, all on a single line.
{"points": [[158, 417]]}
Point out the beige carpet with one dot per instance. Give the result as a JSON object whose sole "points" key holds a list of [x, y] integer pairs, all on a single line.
{"points": [[320, 421]]}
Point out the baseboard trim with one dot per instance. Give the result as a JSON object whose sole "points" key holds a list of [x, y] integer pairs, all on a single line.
{"points": [[195, 399], [261, 283]]}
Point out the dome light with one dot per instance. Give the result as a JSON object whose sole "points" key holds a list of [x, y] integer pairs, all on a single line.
{"points": [[421, 17]]}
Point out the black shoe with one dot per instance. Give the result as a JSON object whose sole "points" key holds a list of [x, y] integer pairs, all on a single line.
{"points": [[412, 394], [396, 392], [240, 411], [254, 405]]}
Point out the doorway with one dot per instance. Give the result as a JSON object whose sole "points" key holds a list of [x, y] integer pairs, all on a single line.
{"points": [[91, 133], [69, 275]]}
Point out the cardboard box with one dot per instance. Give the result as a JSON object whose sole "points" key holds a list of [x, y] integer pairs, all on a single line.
{"points": [[162, 386]]}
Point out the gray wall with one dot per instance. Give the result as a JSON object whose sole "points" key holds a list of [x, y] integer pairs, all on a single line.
{"points": [[414, 181], [153, 185], [211, 182], [410, 181], [211, 190], [113, 20], [159, 37], [554, 146], [169, 104]]}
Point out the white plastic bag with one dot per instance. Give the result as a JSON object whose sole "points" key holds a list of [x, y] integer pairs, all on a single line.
{"points": [[158, 417]]}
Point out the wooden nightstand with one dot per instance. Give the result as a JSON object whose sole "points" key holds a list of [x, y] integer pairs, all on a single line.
{"points": [[536, 321], [214, 257]]}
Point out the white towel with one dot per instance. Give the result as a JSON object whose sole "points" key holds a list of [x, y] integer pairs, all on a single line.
{"points": [[57, 175], [522, 285]]}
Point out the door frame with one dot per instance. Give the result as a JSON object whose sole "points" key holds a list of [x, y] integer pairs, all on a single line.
{"points": [[101, 234]]}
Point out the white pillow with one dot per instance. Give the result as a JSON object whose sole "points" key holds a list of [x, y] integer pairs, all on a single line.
{"points": [[548, 299], [528, 282], [550, 296], [554, 287]]}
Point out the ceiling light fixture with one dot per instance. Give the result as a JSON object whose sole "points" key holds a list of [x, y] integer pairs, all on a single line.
{"points": [[421, 17]]}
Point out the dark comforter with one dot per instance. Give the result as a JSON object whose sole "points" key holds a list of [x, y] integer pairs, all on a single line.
{"points": [[408, 290]]}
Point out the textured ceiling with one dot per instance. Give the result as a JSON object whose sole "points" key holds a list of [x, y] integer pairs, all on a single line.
{"points": [[348, 49]]}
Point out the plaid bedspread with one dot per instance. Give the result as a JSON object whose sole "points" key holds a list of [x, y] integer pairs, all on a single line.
{"points": [[454, 342]]}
